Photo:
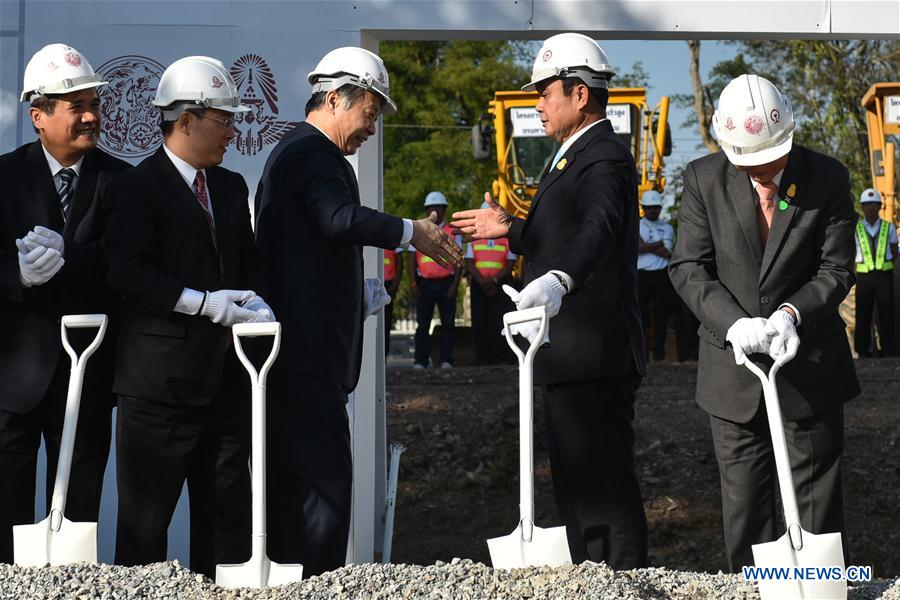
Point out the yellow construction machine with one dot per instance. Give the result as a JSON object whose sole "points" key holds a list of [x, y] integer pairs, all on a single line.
{"points": [[523, 151], [882, 104]]}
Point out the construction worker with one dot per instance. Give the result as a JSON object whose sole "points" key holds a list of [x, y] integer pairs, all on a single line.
{"points": [[393, 275], [654, 249], [876, 251], [431, 283], [764, 257], [580, 243], [51, 264], [489, 264], [309, 220], [181, 254]]}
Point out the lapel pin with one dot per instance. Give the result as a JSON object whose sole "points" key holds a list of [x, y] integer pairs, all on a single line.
{"points": [[792, 190], [561, 164], [782, 204]]}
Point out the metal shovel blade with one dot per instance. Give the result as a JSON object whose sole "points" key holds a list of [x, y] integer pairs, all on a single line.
{"points": [[39, 545], [548, 547], [821, 552], [257, 574]]}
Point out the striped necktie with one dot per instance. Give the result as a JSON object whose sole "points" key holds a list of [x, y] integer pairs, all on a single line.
{"points": [[203, 199], [766, 191], [66, 191]]}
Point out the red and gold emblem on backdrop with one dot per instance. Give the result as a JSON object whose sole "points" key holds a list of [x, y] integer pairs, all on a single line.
{"points": [[130, 122]]}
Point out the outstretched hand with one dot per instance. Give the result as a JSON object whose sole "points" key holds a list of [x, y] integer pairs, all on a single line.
{"points": [[431, 240], [483, 223]]}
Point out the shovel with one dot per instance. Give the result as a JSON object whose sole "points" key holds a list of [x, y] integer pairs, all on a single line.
{"points": [[528, 545], [797, 547], [259, 571], [57, 540]]}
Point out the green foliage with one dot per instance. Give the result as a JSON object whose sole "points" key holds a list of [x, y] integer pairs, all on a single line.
{"points": [[638, 77]]}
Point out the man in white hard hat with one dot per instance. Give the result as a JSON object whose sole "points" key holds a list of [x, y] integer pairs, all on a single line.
{"points": [[764, 257], [580, 244], [433, 283], [654, 249], [876, 251], [51, 264], [311, 228], [182, 256]]}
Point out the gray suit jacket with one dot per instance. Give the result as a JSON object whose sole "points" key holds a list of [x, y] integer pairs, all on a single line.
{"points": [[723, 273]]}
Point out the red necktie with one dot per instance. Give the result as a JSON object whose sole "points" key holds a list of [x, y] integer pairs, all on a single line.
{"points": [[767, 191], [203, 199]]}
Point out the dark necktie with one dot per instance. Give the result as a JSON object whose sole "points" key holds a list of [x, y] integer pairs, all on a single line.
{"points": [[66, 191], [766, 191], [203, 199]]}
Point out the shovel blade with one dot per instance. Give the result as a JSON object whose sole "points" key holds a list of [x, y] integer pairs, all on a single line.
{"points": [[257, 574], [38, 545], [821, 551], [548, 547]]}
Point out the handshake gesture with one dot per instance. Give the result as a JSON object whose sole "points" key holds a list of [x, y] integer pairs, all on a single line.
{"points": [[775, 336]]}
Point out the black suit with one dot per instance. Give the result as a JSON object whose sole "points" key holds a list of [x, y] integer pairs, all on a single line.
{"points": [[723, 272], [583, 221], [34, 368], [311, 229], [183, 396]]}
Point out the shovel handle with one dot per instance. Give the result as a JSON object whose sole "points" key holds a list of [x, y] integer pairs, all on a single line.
{"points": [[82, 322], [257, 330]]}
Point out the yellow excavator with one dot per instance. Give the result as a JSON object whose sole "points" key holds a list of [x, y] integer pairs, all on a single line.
{"points": [[523, 151]]}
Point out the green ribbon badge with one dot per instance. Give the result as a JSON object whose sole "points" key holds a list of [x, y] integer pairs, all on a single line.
{"points": [[782, 205]]}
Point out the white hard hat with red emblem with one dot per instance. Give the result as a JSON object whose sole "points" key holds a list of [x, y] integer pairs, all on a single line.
{"points": [[196, 82], [57, 69], [354, 66], [571, 55], [870, 196], [753, 122]]}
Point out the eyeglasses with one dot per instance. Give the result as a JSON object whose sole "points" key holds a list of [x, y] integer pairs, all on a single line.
{"points": [[227, 124]]}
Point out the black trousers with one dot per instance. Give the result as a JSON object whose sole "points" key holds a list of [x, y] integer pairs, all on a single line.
{"points": [[591, 443], [310, 472], [487, 322], [431, 292], [748, 478], [20, 440], [653, 289], [159, 447], [874, 289]]}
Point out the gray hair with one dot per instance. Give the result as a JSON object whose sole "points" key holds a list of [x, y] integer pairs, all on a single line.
{"points": [[348, 92]]}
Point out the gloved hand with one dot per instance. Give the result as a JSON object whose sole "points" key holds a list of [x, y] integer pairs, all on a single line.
{"points": [[785, 340], [222, 307], [376, 297], [264, 312], [528, 330], [748, 336], [46, 237], [37, 264], [547, 290]]}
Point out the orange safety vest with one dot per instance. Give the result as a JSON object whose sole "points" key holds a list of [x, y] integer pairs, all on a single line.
{"points": [[390, 264], [490, 256], [428, 269]]}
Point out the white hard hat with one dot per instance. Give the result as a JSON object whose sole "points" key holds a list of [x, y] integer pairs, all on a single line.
{"points": [[57, 69], [198, 80], [435, 199], [355, 66], [651, 198], [754, 122], [870, 196], [571, 55]]}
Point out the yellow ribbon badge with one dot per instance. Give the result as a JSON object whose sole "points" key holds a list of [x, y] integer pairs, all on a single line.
{"points": [[792, 190], [561, 164]]}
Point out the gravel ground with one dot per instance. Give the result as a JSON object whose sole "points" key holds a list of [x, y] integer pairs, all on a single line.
{"points": [[458, 580]]}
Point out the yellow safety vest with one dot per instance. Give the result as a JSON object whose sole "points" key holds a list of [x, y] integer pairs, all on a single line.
{"points": [[878, 263]]}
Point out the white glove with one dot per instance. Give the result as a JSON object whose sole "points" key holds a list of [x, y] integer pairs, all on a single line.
{"points": [[547, 290], [785, 340], [263, 311], [46, 237], [37, 264], [748, 336], [376, 296], [527, 330], [222, 307]]}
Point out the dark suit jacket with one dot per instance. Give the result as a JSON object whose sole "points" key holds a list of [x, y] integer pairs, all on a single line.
{"points": [[30, 345], [311, 229], [722, 272], [583, 221], [158, 242]]}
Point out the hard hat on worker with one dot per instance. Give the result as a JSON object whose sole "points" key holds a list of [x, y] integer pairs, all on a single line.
{"points": [[435, 199], [571, 55], [196, 82], [870, 196], [354, 66], [753, 122], [57, 69], [651, 198]]}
